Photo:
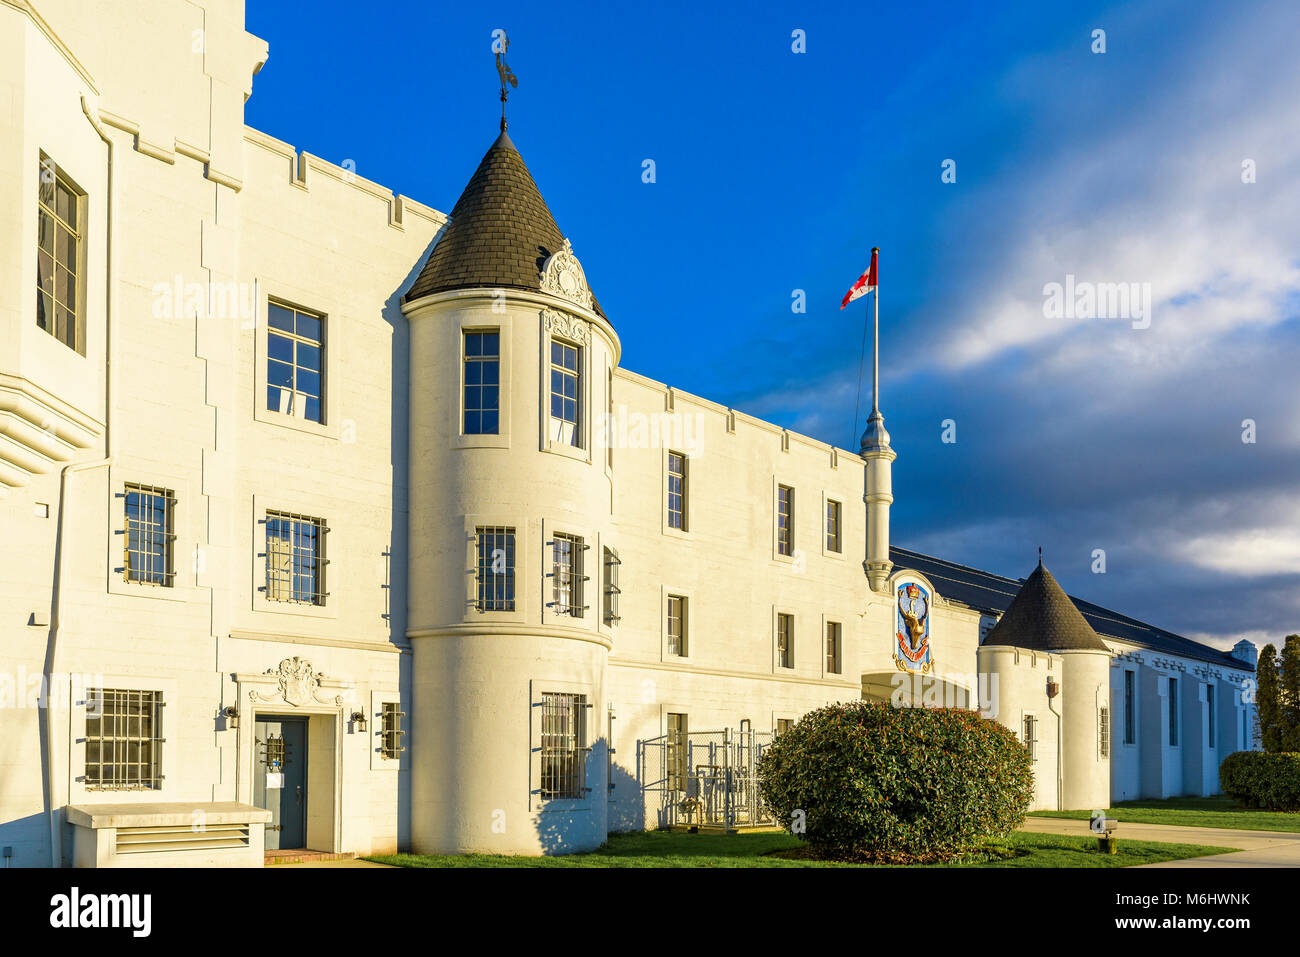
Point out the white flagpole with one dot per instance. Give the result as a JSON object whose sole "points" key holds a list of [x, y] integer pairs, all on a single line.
{"points": [[875, 337]]}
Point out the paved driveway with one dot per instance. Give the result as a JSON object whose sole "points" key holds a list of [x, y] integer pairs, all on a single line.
{"points": [[1258, 848]]}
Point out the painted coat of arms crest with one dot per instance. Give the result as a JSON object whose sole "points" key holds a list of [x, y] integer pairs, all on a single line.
{"points": [[912, 629]]}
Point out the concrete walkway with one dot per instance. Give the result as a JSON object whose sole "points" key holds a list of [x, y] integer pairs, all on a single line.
{"points": [[1258, 848], [351, 862]]}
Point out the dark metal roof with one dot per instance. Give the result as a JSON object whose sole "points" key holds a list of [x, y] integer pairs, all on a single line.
{"points": [[500, 234], [993, 594]]}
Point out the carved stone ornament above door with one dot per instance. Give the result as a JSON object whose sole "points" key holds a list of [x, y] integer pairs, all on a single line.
{"points": [[299, 685]]}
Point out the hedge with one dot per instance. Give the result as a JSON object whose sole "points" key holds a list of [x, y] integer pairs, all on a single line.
{"points": [[1262, 779], [870, 782]]}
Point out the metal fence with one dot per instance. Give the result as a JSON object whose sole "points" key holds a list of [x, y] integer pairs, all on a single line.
{"points": [[705, 778]]}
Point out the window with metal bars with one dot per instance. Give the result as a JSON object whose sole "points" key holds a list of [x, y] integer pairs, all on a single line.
{"points": [[784, 520], [833, 510], [677, 626], [295, 558], [833, 664], [482, 383], [495, 568], [58, 255], [564, 746], [612, 591], [676, 741], [1103, 731], [123, 739], [390, 731], [566, 393], [295, 371], [1029, 736], [677, 491], [785, 640], [149, 535], [567, 576]]}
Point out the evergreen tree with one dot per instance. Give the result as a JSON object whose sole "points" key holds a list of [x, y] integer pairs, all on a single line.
{"points": [[1266, 699], [1289, 694]]}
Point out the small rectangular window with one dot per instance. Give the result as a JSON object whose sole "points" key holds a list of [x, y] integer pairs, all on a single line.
{"points": [[1130, 708], [567, 575], [149, 535], [566, 394], [1103, 731], [677, 491], [495, 568], [564, 746], [391, 731], [482, 411], [1029, 736], [833, 665], [123, 739], [785, 640], [784, 520], [677, 626], [295, 369], [833, 527], [295, 558], [58, 255], [612, 591], [677, 761], [783, 725]]}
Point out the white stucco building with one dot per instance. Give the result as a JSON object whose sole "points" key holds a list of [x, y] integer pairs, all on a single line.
{"points": [[333, 521]]}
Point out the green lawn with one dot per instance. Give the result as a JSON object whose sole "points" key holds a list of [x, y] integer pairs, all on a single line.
{"points": [[679, 849], [1191, 812]]}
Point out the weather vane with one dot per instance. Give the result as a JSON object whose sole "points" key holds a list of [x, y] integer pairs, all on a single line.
{"points": [[500, 45]]}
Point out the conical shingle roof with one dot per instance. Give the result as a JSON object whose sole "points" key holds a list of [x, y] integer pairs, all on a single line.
{"points": [[1043, 618], [500, 234]]}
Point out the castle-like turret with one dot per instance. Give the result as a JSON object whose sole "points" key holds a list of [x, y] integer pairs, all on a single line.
{"points": [[511, 360]]}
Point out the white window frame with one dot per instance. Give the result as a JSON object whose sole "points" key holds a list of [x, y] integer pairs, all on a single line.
{"points": [[316, 301]]}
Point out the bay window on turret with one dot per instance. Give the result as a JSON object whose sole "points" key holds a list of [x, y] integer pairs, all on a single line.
{"points": [[566, 394], [482, 411]]}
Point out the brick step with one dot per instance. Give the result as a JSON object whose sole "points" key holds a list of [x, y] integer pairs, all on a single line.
{"points": [[304, 856]]}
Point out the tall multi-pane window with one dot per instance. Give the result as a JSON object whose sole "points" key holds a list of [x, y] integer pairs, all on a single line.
{"points": [[785, 640], [390, 731], [1029, 736], [1103, 731], [495, 568], [1173, 712], [295, 558], [612, 590], [295, 350], [1130, 707], [564, 745], [677, 626], [149, 535], [784, 520], [677, 490], [123, 739], [1209, 709], [482, 383], [566, 573], [566, 393], [833, 664], [58, 255], [833, 543], [677, 730]]}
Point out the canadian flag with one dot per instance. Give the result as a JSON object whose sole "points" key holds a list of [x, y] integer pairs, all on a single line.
{"points": [[866, 282]]}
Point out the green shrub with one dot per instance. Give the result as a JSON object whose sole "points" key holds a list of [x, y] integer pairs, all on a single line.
{"points": [[872, 782], [1262, 779]]}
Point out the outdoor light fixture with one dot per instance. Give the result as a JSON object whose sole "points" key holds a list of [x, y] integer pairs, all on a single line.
{"points": [[359, 721], [231, 714], [1052, 688]]}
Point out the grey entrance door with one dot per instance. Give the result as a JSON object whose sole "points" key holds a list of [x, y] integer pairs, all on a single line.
{"points": [[280, 779]]}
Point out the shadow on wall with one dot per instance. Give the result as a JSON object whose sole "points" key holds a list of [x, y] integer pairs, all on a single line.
{"points": [[569, 826], [29, 837]]}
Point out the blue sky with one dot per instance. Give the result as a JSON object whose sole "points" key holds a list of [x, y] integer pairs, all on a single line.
{"points": [[777, 171]]}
